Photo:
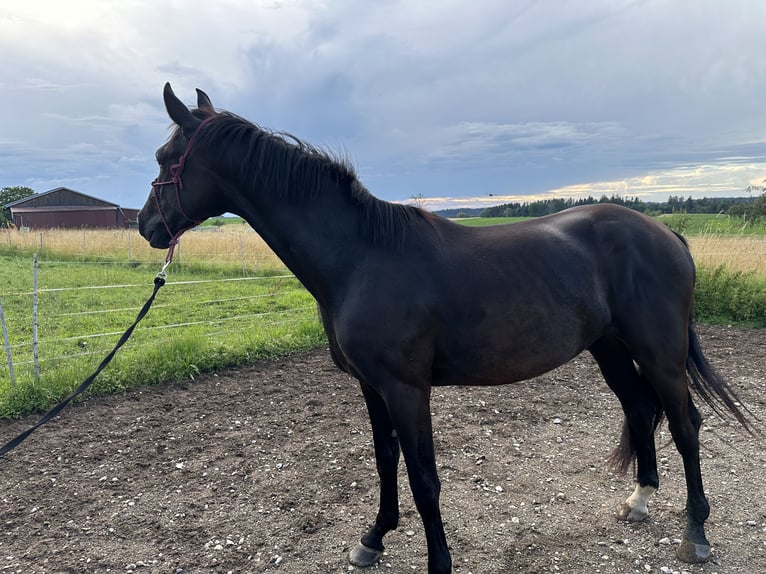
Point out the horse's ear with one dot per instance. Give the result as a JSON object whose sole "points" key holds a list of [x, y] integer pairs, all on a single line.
{"points": [[178, 111], [203, 101]]}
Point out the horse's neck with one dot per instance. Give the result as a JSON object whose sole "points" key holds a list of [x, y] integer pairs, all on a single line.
{"points": [[317, 238]]}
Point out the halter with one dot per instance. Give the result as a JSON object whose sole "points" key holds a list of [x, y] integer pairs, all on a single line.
{"points": [[175, 179]]}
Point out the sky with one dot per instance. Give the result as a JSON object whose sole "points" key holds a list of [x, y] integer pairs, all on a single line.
{"points": [[461, 103]]}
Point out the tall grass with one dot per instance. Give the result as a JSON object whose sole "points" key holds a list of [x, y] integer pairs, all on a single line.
{"points": [[231, 246], [745, 253], [726, 296], [731, 278]]}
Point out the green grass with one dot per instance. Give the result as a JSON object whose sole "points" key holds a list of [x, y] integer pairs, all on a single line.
{"points": [[486, 221], [686, 223], [219, 221], [712, 224], [199, 322], [730, 297]]}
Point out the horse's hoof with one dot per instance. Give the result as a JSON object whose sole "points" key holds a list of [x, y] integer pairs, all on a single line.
{"points": [[364, 556], [632, 514], [693, 553]]}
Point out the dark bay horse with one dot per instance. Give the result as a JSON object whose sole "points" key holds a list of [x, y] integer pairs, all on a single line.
{"points": [[410, 301]]}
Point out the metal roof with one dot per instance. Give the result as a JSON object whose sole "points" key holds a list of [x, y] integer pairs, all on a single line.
{"points": [[47, 196]]}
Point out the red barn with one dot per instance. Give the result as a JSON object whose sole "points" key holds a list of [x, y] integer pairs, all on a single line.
{"points": [[66, 208]]}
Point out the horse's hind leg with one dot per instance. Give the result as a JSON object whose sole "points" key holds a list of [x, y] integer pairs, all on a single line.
{"points": [[663, 366], [642, 415], [370, 548], [684, 422]]}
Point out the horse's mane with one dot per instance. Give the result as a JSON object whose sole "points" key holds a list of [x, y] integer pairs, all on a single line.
{"points": [[296, 170]]}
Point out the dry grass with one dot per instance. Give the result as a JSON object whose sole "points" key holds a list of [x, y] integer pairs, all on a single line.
{"points": [[241, 246], [746, 253], [218, 246]]}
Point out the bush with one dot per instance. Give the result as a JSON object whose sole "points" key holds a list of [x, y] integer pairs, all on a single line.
{"points": [[726, 296]]}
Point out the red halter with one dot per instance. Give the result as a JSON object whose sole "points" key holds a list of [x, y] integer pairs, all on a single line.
{"points": [[175, 179]]}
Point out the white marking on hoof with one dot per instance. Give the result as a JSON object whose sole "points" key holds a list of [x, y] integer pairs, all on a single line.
{"points": [[364, 556], [635, 508]]}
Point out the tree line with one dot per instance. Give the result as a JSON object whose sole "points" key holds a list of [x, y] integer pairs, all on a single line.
{"points": [[738, 206]]}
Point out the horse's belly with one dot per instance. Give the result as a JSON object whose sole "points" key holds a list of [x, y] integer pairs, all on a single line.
{"points": [[503, 359]]}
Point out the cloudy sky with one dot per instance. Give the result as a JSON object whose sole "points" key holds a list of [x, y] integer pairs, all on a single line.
{"points": [[474, 102]]}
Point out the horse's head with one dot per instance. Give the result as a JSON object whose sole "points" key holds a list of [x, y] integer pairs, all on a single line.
{"points": [[181, 195]]}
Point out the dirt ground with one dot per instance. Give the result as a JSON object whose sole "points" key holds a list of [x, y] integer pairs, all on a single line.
{"points": [[269, 467]]}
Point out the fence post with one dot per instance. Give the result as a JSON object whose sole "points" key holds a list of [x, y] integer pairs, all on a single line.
{"points": [[35, 354], [7, 346], [83, 244], [129, 234], [242, 255]]}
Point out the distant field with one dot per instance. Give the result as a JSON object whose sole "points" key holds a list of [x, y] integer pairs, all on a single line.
{"points": [[487, 221], [710, 223], [686, 223], [221, 221]]}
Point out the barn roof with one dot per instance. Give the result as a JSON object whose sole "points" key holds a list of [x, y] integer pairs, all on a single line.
{"points": [[60, 197]]}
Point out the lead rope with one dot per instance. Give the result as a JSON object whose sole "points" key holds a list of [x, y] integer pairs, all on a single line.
{"points": [[159, 281]]}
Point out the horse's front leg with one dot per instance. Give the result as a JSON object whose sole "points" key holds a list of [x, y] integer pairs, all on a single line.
{"points": [[404, 409], [370, 548], [410, 411]]}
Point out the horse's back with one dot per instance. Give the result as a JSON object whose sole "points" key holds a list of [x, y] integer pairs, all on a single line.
{"points": [[534, 294]]}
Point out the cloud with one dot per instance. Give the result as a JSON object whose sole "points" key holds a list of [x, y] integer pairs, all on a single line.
{"points": [[710, 180], [482, 142], [432, 98]]}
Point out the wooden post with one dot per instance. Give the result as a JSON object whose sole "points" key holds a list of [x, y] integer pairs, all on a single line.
{"points": [[35, 353], [242, 255], [7, 347]]}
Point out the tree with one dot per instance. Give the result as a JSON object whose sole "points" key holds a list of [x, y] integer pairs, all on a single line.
{"points": [[759, 206], [418, 200], [751, 210], [9, 195]]}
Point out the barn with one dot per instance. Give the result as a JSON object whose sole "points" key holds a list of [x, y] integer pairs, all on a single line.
{"points": [[66, 208]]}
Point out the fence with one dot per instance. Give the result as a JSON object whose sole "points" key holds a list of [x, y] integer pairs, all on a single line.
{"points": [[80, 308]]}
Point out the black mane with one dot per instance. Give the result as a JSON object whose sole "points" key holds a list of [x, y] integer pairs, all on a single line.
{"points": [[297, 170]]}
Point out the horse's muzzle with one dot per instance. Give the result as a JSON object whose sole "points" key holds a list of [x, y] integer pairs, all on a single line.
{"points": [[153, 233]]}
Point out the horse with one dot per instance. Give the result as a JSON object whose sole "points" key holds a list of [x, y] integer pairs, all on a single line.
{"points": [[410, 301]]}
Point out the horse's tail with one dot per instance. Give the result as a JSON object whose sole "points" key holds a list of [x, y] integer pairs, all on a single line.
{"points": [[708, 385], [624, 454], [706, 382], [711, 387]]}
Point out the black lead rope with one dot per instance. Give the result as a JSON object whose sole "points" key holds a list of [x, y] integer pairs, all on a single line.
{"points": [[159, 281]]}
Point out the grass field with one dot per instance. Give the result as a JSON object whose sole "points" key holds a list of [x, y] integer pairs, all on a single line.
{"points": [[228, 300], [716, 224], [487, 221]]}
